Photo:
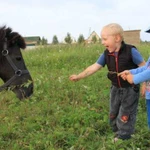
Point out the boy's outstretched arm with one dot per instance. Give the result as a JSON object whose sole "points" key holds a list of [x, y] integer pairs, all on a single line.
{"points": [[87, 72]]}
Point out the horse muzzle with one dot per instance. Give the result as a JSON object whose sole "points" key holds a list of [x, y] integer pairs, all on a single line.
{"points": [[23, 92]]}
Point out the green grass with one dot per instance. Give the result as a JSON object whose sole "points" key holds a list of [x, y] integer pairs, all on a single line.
{"points": [[63, 115]]}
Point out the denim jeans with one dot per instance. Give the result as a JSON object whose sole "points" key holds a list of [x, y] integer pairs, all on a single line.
{"points": [[123, 110]]}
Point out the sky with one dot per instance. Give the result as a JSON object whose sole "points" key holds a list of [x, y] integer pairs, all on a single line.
{"points": [[46, 18]]}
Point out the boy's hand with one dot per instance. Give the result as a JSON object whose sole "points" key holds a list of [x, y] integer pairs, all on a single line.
{"points": [[124, 74], [74, 78], [129, 78]]}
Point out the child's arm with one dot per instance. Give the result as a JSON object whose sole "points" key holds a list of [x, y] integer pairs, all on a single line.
{"points": [[138, 70], [129, 78], [132, 71], [87, 72], [143, 89], [142, 77], [124, 74], [139, 78]]}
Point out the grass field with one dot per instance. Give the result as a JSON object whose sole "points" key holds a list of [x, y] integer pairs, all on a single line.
{"points": [[63, 115]]}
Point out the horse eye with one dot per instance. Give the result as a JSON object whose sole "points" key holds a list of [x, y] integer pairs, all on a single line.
{"points": [[18, 58]]}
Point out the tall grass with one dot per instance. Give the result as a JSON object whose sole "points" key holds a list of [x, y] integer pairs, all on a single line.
{"points": [[62, 115]]}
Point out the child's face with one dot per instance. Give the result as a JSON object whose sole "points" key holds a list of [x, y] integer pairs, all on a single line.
{"points": [[111, 42]]}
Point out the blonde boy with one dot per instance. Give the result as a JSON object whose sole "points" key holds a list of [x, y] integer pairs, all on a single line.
{"points": [[118, 56]]}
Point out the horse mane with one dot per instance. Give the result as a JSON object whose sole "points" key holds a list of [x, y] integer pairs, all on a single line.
{"points": [[13, 38]]}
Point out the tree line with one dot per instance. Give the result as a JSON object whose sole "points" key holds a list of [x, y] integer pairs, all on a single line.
{"points": [[69, 40]]}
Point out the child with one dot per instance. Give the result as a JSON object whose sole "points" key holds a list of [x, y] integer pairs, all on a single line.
{"points": [[139, 75], [118, 56]]}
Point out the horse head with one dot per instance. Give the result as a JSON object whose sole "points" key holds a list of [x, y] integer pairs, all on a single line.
{"points": [[13, 70]]}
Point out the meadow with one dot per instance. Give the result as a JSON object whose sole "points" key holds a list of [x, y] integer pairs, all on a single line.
{"points": [[65, 115]]}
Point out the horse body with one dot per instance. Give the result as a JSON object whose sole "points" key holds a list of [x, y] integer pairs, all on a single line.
{"points": [[13, 70]]}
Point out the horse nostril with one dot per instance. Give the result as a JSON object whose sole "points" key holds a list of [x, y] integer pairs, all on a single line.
{"points": [[18, 58]]}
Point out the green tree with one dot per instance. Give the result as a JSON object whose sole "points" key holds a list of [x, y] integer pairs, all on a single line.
{"points": [[94, 39], [81, 39], [68, 38], [55, 40], [44, 41]]}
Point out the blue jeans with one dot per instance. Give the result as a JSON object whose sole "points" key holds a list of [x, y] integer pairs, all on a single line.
{"points": [[123, 110], [148, 111]]}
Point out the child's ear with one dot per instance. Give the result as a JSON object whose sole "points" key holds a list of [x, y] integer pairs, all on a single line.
{"points": [[118, 38]]}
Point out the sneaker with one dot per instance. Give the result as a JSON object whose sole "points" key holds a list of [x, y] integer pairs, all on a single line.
{"points": [[116, 139]]}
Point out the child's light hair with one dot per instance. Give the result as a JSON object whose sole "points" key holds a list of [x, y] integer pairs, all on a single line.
{"points": [[114, 29]]}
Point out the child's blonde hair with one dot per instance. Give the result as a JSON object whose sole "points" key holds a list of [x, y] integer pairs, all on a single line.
{"points": [[114, 29]]}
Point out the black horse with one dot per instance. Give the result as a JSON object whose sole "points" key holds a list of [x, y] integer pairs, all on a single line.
{"points": [[13, 70]]}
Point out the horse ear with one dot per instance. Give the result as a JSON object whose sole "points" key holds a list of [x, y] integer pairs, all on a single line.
{"points": [[8, 31], [16, 39], [21, 42]]}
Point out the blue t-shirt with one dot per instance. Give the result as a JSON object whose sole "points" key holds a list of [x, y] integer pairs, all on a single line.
{"points": [[142, 74], [136, 57]]}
